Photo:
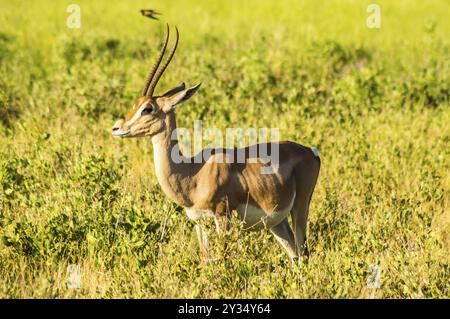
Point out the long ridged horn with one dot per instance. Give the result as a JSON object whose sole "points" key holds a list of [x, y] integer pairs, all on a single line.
{"points": [[156, 65], [163, 68]]}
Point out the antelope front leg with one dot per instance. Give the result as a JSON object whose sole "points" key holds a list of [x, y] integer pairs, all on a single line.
{"points": [[222, 226], [202, 240], [222, 217]]}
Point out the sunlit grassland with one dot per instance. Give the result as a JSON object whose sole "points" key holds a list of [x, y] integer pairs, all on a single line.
{"points": [[375, 102]]}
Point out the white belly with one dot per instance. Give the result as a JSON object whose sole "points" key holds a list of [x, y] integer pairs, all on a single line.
{"points": [[253, 217], [256, 218], [196, 215]]}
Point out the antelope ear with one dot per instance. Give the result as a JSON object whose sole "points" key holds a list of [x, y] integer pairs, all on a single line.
{"points": [[178, 95], [177, 89]]}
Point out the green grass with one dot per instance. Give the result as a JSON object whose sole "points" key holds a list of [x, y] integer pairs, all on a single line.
{"points": [[374, 101]]}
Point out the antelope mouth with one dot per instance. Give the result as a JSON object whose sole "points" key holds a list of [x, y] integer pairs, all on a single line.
{"points": [[119, 133]]}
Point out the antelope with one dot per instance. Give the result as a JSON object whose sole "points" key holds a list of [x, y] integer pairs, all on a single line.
{"points": [[217, 185]]}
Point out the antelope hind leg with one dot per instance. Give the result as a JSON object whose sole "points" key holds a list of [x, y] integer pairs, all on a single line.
{"points": [[285, 237]]}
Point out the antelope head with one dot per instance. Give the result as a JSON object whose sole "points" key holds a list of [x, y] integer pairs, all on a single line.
{"points": [[147, 116]]}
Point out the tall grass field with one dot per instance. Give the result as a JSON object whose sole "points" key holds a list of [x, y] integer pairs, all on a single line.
{"points": [[75, 201]]}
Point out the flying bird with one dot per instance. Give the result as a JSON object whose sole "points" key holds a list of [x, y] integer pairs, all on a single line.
{"points": [[149, 13]]}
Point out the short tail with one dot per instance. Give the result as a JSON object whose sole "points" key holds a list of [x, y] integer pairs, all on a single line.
{"points": [[316, 154], [317, 157]]}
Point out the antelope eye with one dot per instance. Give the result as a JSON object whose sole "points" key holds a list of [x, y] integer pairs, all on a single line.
{"points": [[148, 109]]}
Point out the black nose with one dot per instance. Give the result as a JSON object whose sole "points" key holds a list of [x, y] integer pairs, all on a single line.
{"points": [[115, 128]]}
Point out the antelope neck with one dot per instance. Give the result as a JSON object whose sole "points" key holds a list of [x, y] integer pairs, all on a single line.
{"points": [[173, 177]]}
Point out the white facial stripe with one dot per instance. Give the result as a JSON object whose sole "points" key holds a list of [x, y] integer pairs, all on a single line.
{"points": [[137, 114]]}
